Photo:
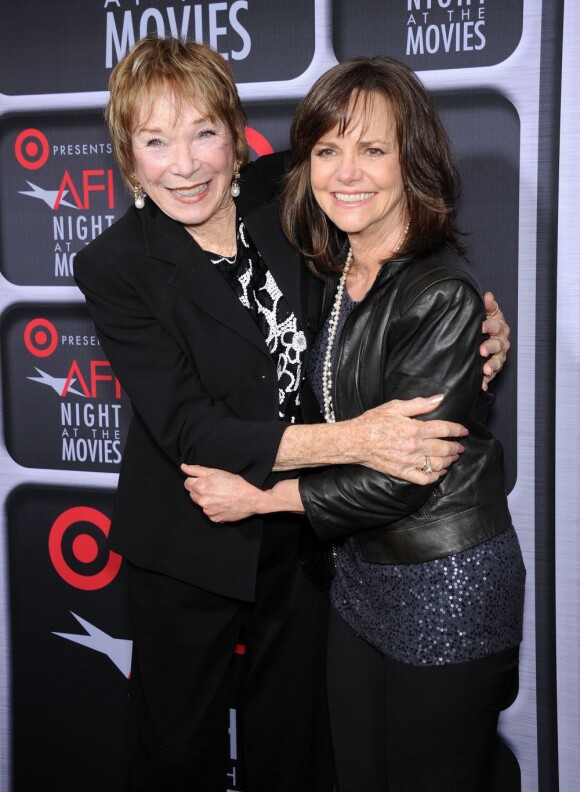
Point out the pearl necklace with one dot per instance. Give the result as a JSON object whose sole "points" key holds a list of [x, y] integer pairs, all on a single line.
{"points": [[332, 328], [329, 415]]}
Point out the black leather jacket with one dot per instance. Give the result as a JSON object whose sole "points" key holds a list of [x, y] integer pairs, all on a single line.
{"points": [[416, 333]]}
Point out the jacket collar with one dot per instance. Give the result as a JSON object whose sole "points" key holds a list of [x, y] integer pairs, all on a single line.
{"points": [[384, 275], [201, 282]]}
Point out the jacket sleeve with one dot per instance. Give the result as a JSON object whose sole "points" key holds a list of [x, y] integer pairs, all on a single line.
{"points": [[161, 380], [431, 347]]}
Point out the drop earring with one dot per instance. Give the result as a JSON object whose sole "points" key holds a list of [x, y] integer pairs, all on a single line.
{"points": [[235, 188], [138, 196]]}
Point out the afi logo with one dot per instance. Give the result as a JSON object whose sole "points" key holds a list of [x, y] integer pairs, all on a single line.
{"points": [[99, 371], [78, 383], [41, 340], [32, 149], [76, 195], [91, 181]]}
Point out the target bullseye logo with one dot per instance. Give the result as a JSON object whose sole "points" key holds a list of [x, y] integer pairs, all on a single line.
{"points": [[258, 142], [40, 337], [31, 149], [78, 549]]}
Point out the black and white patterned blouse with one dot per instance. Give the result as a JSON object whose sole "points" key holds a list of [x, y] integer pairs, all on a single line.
{"points": [[257, 290]]}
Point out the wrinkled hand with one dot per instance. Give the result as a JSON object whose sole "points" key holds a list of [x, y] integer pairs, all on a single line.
{"points": [[223, 496], [398, 445], [496, 347]]}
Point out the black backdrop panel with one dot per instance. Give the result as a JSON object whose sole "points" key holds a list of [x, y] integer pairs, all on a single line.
{"points": [[251, 34], [63, 407], [485, 132], [429, 34], [68, 695], [58, 178]]}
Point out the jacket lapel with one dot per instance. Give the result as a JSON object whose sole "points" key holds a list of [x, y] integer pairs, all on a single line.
{"points": [[199, 280], [195, 276]]}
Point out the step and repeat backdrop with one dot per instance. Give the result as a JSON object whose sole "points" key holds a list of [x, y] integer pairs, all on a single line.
{"points": [[502, 74]]}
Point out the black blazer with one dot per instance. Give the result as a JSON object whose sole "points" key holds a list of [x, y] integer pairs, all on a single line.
{"points": [[202, 384]]}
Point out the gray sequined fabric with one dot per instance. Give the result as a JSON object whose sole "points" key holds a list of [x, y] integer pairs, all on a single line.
{"points": [[452, 610]]}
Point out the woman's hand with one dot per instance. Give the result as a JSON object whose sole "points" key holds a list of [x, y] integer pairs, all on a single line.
{"points": [[392, 442], [223, 496], [227, 497], [495, 348], [385, 438]]}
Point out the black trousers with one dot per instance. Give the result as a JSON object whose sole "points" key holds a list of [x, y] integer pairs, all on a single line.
{"points": [[403, 728], [184, 641]]}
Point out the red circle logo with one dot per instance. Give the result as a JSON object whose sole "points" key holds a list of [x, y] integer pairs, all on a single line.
{"points": [[40, 337], [258, 142], [31, 149], [83, 549]]}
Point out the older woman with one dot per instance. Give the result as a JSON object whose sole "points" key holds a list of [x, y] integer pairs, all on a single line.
{"points": [[428, 593], [206, 316]]}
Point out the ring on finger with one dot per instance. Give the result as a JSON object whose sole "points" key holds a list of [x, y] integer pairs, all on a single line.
{"points": [[495, 310], [499, 361], [426, 467]]}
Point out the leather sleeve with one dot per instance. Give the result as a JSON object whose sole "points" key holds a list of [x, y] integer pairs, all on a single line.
{"points": [[162, 382], [431, 346]]}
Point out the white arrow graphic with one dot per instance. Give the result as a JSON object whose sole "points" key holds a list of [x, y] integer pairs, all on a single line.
{"points": [[118, 650]]}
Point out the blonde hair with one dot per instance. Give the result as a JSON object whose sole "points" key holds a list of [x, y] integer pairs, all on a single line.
{"points": [[189, 72]]}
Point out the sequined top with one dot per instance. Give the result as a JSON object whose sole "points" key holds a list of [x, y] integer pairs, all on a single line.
{"points": [[451, 610]]}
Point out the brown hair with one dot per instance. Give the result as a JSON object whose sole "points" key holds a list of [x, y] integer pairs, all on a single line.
{"points": [[191, 72], [428, 167]]}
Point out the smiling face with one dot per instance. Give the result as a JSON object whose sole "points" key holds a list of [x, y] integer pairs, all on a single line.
{"points": [[185, 163], [356, 176]]}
